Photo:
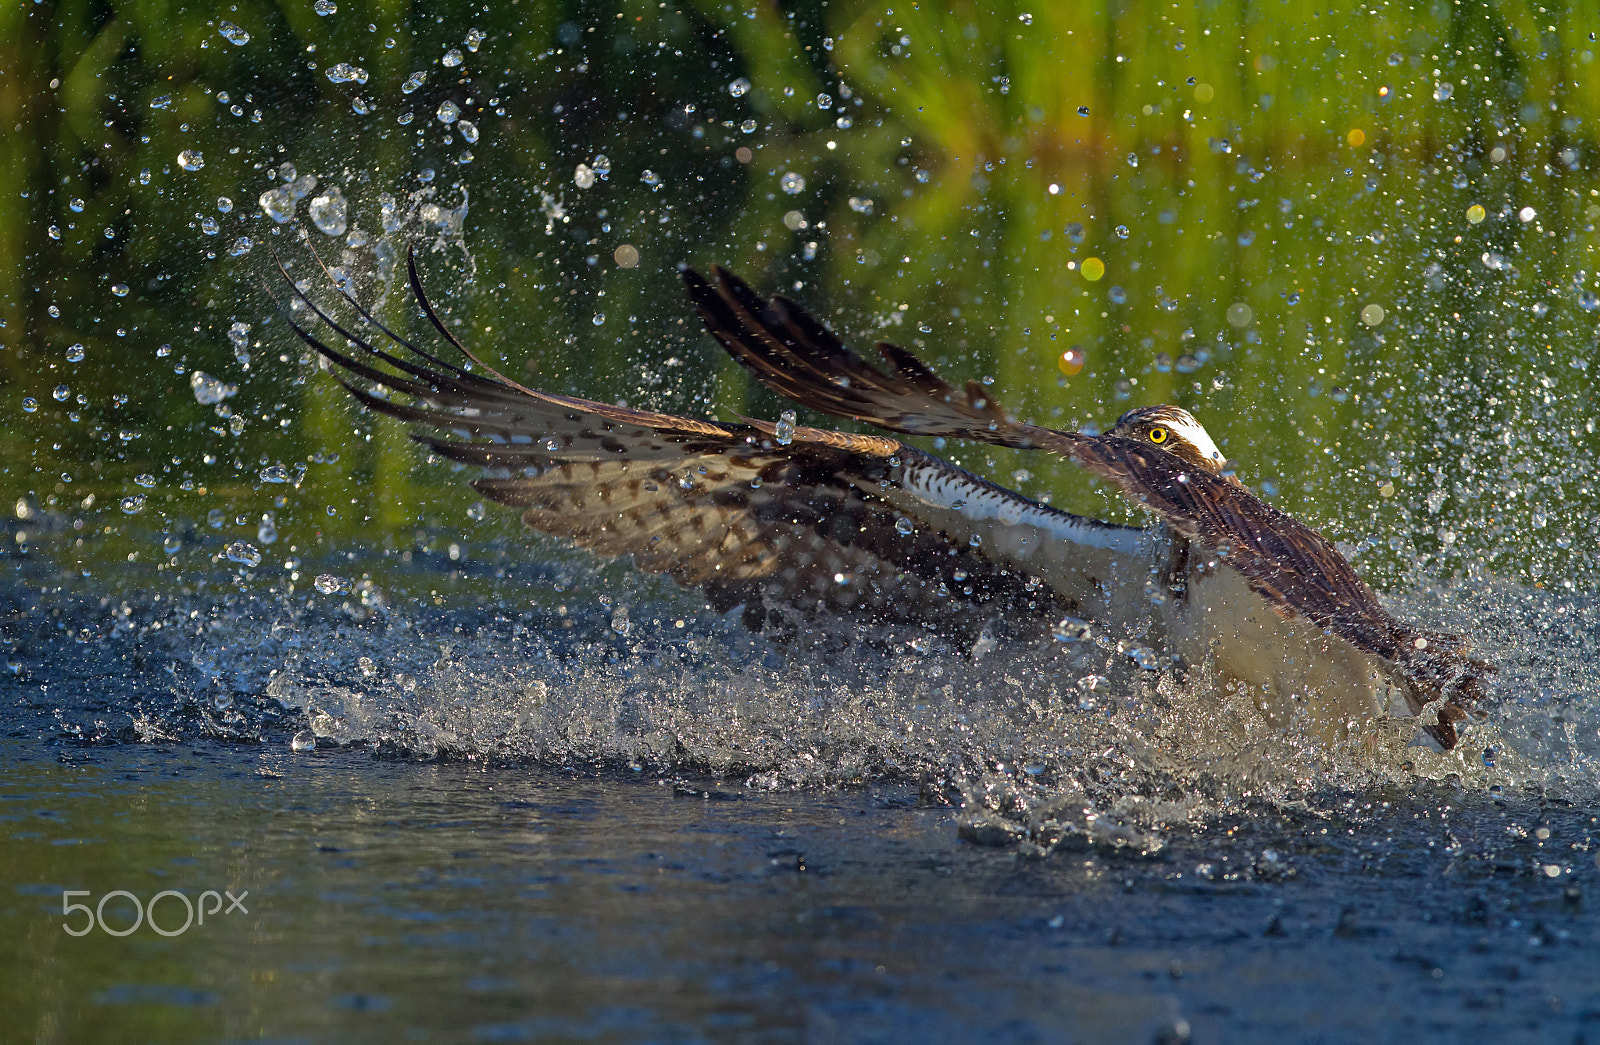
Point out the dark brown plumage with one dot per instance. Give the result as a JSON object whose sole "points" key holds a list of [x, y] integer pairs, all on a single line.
{"points": [[1287, 563], [869, 526], [814, 520]]}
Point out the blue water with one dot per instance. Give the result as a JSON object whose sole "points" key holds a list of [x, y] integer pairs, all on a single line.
{"points": [[461, 901], [508, 822]]}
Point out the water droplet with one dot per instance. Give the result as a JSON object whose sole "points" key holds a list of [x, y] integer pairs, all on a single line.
{"points": [[620, 622], [583, 177], [448, 112], [1071, 629], [626, 256], [1240, 314], [903, 526], [1116, 295], [327, 583], [1092, 269], [267, 532], [739, 88], [209, 225], [413, 81], [361, 107], [468, 132], [1025, 18], [599, 318], [1121, 231], [452, 58], [161, 101], [233, 34], [1143, 658], [75, 354], [133, 505], [1587, 300], [792, 183], [652, 179], [278, 204], [61, 393], [325, 8], [474, 39], [191, 160], [344, 72], [330, 213], [243, 552], [1072, 360], [208, 391], [305, 740], [171, 544], [784, 430], [476, 511], [241, 246], [274, 473], [748, 126], [1083, 110], [145, 480], [29, 404], [54, 232], [1443, 91], [860, 204], [75, 205], [1372, 315]]}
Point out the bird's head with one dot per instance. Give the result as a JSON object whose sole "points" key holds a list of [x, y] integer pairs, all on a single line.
{"points": [[1173, 431]]}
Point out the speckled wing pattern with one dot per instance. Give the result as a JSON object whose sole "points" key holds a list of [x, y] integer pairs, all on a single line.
{"points": [[1294, 568], [821, 520]]}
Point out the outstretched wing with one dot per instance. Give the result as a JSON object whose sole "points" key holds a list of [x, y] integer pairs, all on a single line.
{"points": [[1294, 568], [817, 519], [792, 353]]}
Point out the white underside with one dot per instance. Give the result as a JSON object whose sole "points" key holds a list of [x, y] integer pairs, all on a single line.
{"points": [[1301, 678]]}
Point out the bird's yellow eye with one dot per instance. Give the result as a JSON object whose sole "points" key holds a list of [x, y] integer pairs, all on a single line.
{"points": [[1158, 435]]}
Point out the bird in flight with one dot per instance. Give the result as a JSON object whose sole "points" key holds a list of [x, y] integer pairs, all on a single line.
{"points": [[789, 519]]}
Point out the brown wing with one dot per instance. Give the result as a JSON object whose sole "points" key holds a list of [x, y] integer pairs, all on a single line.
{"points": [[820, 520], [1290, 565], [792, 353]]}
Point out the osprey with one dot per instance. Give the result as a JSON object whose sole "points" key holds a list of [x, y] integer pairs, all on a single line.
{"points": [[830, 522]]}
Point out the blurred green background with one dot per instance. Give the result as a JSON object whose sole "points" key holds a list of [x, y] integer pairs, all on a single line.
{"points": [[1357, 244]]}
